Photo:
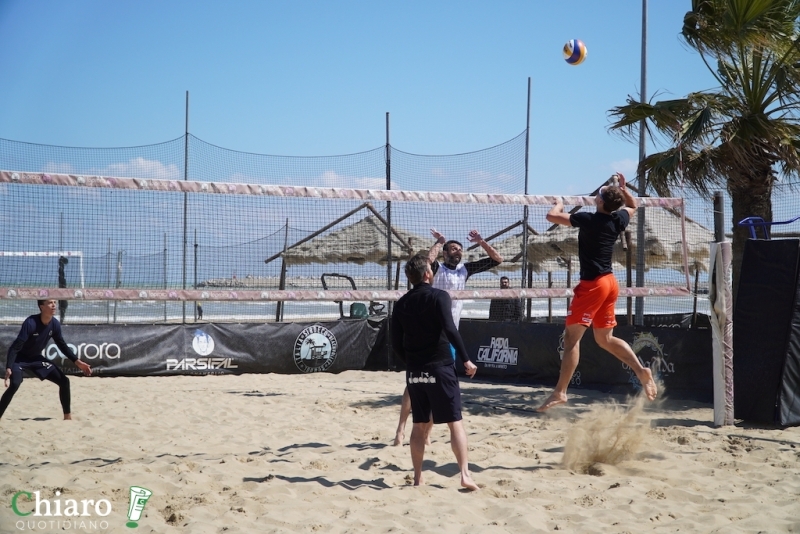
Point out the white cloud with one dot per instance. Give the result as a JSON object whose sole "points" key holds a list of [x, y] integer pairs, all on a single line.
{"points": [[333, 179], [58, 168], [142, 168]]}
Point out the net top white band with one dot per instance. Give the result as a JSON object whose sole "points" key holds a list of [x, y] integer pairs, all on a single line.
{"points": [[189, 186], [19, 293]]}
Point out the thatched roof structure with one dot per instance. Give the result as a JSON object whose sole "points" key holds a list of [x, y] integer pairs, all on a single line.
{"points": [[361, 242], [663, 243]]}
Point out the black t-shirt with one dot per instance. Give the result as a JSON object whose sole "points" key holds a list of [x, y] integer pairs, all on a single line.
{"points": [[596, 238], [33, 338], [423, 329]]}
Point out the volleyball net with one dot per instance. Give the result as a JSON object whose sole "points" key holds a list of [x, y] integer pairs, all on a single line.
{"points": [[181, 250]]}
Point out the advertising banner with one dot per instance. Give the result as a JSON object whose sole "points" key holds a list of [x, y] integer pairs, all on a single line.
{"points": [[146, 350], [681, 359]]}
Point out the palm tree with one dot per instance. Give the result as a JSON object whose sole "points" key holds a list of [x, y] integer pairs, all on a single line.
{"points": [[743, 135]]}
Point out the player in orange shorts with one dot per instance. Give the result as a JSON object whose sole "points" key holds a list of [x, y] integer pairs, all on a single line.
{"points": [[597, 291]]}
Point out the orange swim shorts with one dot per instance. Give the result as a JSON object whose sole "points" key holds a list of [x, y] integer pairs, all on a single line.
{"points": [[594, 302]]}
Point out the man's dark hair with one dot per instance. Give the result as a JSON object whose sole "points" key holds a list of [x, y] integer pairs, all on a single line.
{"points": [[41, 302], [451, 242], [612, 198], [504, 278], [416, 268]]}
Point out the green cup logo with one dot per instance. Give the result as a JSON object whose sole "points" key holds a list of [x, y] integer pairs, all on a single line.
{"points": [[139, 498]]}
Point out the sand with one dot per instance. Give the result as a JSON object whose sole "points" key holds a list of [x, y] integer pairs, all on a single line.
{"points": [[313, 453]]}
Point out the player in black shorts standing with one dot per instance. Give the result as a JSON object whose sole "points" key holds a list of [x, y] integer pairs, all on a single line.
{"points": [[422, 332], [26, 353], [451, 274]]}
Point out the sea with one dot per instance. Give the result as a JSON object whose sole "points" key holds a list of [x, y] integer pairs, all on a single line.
{"points": [[155, 312]]}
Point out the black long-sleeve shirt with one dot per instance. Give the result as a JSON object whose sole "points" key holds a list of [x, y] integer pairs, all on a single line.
{"points": [[423, 329], [32, 339]]}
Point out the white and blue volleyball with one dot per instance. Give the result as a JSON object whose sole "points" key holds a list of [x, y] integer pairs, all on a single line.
{"points": [[574, 52]]}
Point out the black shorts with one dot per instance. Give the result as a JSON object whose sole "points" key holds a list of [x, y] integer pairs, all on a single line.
{"points": [[42, 369], [435, 392]]}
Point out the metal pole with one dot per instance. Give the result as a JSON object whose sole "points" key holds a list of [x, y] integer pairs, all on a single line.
{"points": [[629, 274], [719, 217], [185, 199], [525, 208], [119, 279], [569, 279], [530, 284], [388, 209], [282, 281], [389, 245], [640, 216], [195, 272], [108, 280], [165, 274]]}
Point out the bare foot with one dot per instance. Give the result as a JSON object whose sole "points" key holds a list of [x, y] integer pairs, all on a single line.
{"points": [[398, 439], [468, 483], [418, 480], [553, 400], [67, 417], [648, 384]]}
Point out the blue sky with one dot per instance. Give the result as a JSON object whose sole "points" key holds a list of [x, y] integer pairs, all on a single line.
{"points": [[302, 78]]}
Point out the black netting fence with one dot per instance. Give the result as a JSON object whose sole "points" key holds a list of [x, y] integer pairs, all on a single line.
{"points": [[82, 236]]}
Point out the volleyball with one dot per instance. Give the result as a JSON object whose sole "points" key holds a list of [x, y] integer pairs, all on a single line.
{"points": [[575, 52]]}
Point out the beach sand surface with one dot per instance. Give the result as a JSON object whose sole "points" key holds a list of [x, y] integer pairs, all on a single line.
{"points": [[313, 453]]}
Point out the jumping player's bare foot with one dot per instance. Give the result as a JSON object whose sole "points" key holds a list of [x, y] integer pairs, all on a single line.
{"points": [[67, 417], [648, 384], [553, 400], [468, 483]]}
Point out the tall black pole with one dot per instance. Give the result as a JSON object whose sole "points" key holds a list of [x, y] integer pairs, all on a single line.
{"points": [[719, 217], [388, 209], [525, 207], [389, 243], [640, 216], [185, 199], [195, 273]]}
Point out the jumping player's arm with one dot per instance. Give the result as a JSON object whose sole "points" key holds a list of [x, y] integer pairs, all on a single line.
{"points": [[475, 237], [433, 253], [556, 214], [67, 351], [444, 305], [630, 201]]}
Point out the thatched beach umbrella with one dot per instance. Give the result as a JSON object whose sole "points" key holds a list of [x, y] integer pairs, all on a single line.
{"points": [[362, 242], [511, 250], [663, 243]]}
